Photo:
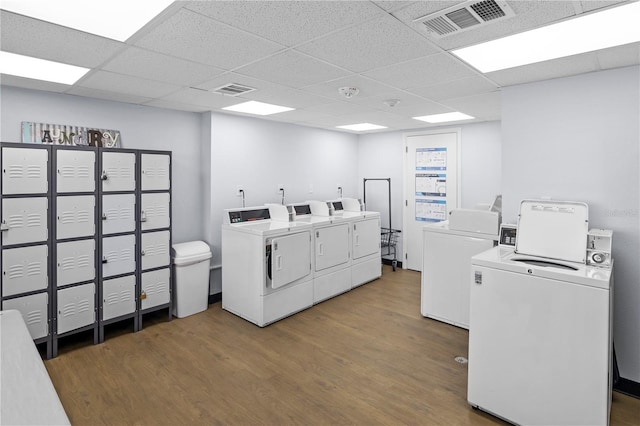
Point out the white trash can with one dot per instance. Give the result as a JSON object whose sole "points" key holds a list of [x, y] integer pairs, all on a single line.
{"points": [[191, 263]]}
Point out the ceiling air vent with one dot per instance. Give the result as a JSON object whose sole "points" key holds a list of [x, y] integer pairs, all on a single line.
{"points": [[465, 16], [233, 89]]}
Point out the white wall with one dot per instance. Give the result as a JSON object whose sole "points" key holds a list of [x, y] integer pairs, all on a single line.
{"points": [[140, 128], [578, 138], [259, 155], [381, 155]]}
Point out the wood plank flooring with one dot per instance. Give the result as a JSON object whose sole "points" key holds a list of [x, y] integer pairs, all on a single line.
{"points": [[366, 357]]}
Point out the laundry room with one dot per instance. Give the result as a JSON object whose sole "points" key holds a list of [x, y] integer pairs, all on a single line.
{"points": [[314, 283]]}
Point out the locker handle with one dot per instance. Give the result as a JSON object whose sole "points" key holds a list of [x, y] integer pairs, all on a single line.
{"points": [[320, 249], [104, 216], [4, 226], [143, 295], [104, 260], [142, 253], [104, 176], [143, 216]]}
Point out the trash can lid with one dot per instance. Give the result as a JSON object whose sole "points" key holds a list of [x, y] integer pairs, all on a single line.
{"points": [[191, 252]]}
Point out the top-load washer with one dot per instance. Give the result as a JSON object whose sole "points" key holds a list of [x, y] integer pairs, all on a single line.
{"points": [[331, 252], [540, 339], [366, 263], [266, 265]]}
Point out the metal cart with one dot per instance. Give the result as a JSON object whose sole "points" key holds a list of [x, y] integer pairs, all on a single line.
{"points": [[388, 235]]}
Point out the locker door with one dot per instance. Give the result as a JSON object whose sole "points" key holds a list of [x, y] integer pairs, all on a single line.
{"points": [[155, 250], [75, 170], [76, 307], [34, 312], [155, 288], [290, 258], [75, 262], [24, 220], [118, 255], [75, 216], [155, 211], [118, 213], [118, 297], [24, 171], [366, 237], [118, 171], [24, 270], [332, 246], [155, 172]]}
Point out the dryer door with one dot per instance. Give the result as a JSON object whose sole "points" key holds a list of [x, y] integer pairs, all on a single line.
{"points": [[366, 237], [332, 246], [290, 258]]}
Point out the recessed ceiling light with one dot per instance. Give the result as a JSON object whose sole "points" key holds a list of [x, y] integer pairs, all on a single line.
{"points": [[115, 19], [442, 118], [609, 28], [361, 127], [258, 108], [39, 69]]}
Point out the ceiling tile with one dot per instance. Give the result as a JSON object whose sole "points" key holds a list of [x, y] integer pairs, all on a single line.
{"points": [[28, 83], [406, 99], [621, 56], [107, 95], [108, 81], [374, 44], [590, 5], [468, 86], [32, 37], [194, 37], [292, 69], [200, 98], [160, 103], [555, 68], [336, 109], [285, 96], [286, 22], [392, 5], [485, 107], [156, 66], [366, 86], [423, 72]]}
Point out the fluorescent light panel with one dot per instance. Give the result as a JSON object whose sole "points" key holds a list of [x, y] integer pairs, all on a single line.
{"points": [[601, 30], [257, 108], [115, 19], [361, 127], [442, 118], [39, 69]]}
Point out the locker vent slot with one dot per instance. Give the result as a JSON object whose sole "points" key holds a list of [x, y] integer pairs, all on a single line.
{"points": [[157, 288], [34, 317], [156, 249], [155, 172], [70, 263]]}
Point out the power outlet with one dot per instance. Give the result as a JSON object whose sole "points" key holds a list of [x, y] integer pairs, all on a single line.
{"points": [[280, 187], [239, 190]]}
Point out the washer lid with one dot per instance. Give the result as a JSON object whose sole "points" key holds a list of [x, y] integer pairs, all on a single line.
{"points": [[553, 229]]}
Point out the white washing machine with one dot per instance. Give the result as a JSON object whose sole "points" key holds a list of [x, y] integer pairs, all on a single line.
{"points": [[366, 260], [266, 265], [447, 250], [540, 335], [331, 251]]}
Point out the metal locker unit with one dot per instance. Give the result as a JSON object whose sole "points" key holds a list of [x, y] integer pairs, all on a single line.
{"points": [[25, 225], [155, 288], [155, 172], [76, 262], [118, 255], [155, 212], [75, 170], [118, 213], [155, 250], [24, 220], [24, 171], [118, 171], [155, 291], [25, 270], [35, 312], [75, 216], [76, 307], [118, 297]]}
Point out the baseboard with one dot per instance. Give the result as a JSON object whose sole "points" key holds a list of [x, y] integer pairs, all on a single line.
{"points": [[627, 387], [215, 298], [390, 262]]}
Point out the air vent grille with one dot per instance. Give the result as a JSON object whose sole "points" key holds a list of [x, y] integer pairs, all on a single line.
{"points": [[233, 89], [465, 16]]}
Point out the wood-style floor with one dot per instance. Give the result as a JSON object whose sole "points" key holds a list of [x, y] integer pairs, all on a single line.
{"points": [[366, 357]]}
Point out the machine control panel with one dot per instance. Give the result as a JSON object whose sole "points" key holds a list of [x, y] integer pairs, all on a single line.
{"points": [[508, 234], [599, 247], [240, 216]]}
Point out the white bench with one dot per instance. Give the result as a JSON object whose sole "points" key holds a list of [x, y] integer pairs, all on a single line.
{"points": [[27, 396]]}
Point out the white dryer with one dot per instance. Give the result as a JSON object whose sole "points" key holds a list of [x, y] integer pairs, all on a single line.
{"points": [[540, 340], [266, 265], [331, 252]]}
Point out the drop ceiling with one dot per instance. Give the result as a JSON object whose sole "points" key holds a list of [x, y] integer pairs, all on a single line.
{"points": [[298, 53]]}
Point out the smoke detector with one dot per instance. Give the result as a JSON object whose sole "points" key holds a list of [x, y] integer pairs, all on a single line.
{"points": [[465, 16], [391, 102], [348, 92]]}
